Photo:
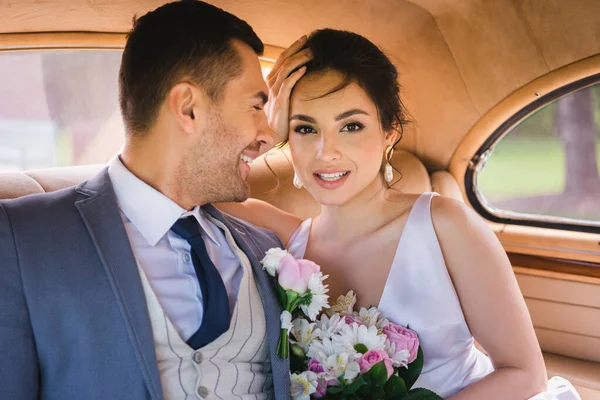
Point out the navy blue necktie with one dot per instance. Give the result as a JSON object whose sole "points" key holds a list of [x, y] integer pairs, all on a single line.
{"points": [[215, 302]]}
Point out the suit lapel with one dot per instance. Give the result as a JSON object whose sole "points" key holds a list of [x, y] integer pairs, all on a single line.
{"points": [[103, 221], [268, 292]]}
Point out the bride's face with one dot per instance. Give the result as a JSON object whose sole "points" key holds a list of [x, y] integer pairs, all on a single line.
{"points": [[337, 142]]}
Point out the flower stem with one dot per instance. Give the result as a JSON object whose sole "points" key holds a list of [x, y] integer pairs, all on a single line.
{"points": [[283, 347]]}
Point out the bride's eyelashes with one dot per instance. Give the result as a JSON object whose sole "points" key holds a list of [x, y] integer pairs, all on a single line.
{"points": [[349, 127], [304, 130], [352, 127]]}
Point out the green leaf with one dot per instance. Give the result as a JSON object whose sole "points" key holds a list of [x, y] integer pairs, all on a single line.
{"points": [[413, 371], [361, 348], [354, 386], [395, 387], [282, 296], [297, 359], [305, 299], [421, 394], [334, 389], [378, 374]]}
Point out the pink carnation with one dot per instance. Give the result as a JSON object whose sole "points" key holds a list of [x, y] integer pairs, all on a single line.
{"points": [[295, 274], [404, 339], [373, 357]]}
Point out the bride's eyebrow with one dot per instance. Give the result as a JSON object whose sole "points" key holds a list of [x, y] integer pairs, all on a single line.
{"points": [[305, 118], [350, 113]]}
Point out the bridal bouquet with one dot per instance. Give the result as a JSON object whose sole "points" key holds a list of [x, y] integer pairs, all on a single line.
{"points": [[341, 354]]}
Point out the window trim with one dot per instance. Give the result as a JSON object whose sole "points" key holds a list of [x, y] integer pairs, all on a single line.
{"points": [[477, 161]]}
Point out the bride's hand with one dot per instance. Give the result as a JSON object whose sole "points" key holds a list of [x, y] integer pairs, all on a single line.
{"points": [[281, 81]]}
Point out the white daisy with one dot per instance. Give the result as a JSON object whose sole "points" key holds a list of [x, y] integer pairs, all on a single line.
{"points": [[329, 326], [272, 259], [303, 385], [304, 333], [318, 296], [321, 349], [353, 336]]}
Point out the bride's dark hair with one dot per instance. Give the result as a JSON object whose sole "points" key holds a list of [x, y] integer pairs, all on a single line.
{"points": [[362, 62]]}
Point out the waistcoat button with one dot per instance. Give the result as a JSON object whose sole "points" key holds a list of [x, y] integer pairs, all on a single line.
{"points": [[202, 391], [197, 357]]}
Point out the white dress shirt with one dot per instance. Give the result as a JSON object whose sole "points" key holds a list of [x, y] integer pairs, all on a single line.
{"points": [[165, 257]]}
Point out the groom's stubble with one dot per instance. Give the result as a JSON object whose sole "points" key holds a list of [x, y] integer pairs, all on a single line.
{"points": [[210, 172]]}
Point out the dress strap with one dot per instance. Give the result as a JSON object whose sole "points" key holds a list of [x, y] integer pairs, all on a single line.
{"points": [[299, 240]]}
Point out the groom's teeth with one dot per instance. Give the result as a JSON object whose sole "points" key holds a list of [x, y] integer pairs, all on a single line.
{"points": [[332, 177], [246, 159]]}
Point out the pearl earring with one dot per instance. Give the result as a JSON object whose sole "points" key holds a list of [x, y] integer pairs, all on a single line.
{"points": [[297, 182], [388, 172]]}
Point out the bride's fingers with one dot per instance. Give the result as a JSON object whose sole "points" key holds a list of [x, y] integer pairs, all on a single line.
{"points": [[288, 84], [293, 49], [277, 109], [290, 65], [287, 66]]}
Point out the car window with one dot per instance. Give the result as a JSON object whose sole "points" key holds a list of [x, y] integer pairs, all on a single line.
{"points": [[546, 167], [60, 107]]}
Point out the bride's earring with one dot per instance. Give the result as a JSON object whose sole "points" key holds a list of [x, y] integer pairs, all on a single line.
{"points": [[388, 174], [297, 182]]}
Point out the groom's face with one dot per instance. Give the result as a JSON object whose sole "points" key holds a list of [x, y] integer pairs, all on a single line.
{"points": [[232, 134]]}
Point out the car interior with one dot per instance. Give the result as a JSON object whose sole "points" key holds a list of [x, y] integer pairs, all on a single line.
{"points": [[504, 102]]}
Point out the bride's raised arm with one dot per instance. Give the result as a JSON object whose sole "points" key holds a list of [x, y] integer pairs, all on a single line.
{"points": [[261, 213]]}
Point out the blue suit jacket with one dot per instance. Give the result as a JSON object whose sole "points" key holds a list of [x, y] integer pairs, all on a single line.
{"points": [[73, 316]]}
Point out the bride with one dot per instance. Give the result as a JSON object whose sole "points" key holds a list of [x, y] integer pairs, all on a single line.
{"points": [[426, 261]]}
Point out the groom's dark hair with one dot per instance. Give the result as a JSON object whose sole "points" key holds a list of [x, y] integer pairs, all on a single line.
{"points": [[185, 40]]}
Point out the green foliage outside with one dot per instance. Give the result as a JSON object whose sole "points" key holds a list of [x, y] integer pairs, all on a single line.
{"points": [[530, 160]]}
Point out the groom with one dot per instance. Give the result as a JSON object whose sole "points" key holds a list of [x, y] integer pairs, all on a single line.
{"points": [[123, 287]]}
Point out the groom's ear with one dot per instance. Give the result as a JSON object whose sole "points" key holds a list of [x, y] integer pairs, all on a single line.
{"points": [[187, 105]]}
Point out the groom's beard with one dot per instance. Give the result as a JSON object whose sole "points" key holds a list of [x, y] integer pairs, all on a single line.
{"points": [[211, 173]]}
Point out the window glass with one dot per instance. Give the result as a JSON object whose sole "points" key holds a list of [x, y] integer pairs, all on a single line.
{"points": [[58, 108], [548, 164]]}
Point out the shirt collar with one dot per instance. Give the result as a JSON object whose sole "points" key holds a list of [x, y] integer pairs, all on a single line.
{"points": [[150, 211]]}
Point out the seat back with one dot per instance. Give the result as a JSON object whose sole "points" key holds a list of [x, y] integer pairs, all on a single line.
{"points": [[17, 184], [270, 180]]}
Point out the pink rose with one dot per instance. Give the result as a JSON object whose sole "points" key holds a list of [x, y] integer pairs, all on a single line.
{"points": [[373, 357], [404, 339], [295, 274], [351, 319]]}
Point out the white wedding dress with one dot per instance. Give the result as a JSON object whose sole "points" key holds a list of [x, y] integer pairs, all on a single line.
{"points": [[420, 293]]}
